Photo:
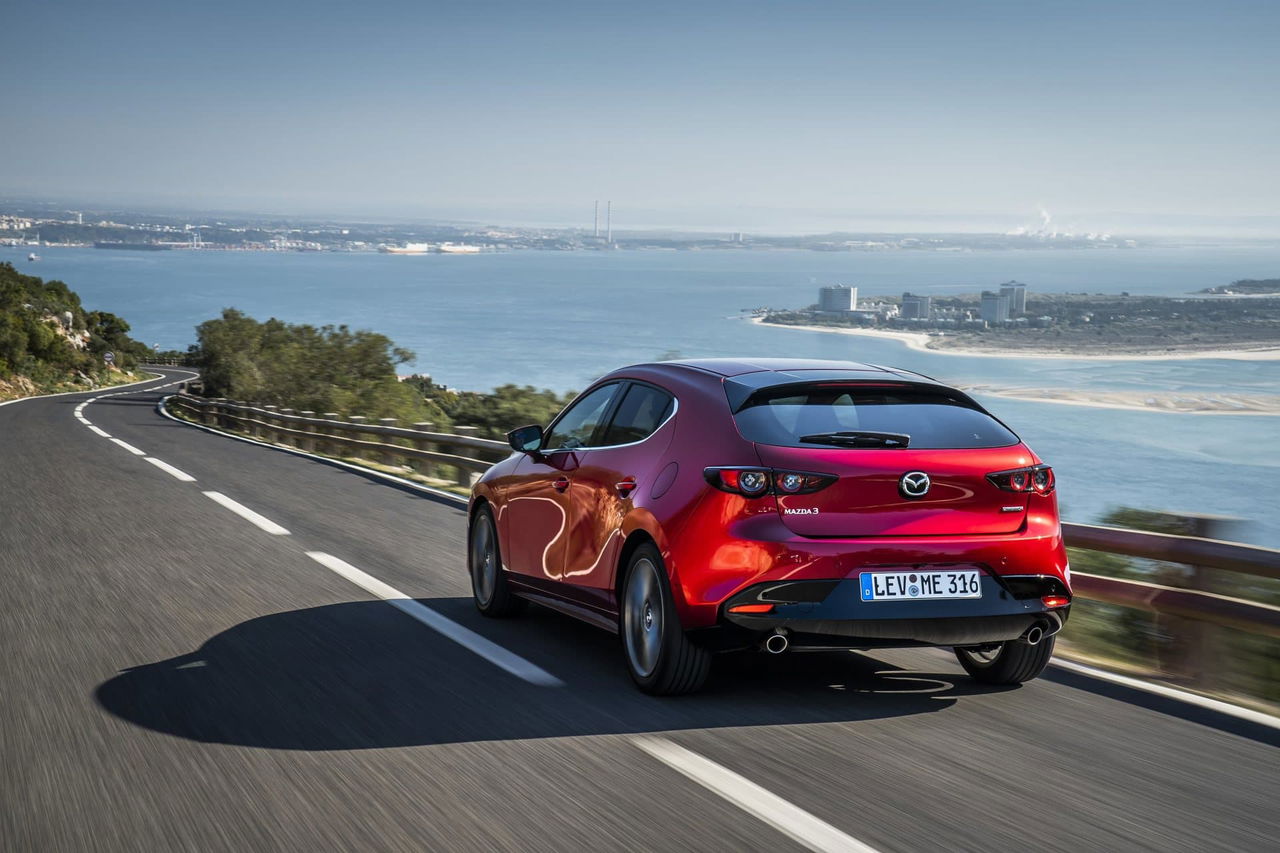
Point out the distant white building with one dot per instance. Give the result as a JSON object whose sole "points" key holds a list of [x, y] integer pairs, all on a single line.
{"points": [[995, 307], [837, 298], [1016, 293], [915, 307]]}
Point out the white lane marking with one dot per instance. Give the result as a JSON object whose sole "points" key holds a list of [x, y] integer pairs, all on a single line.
{"points": [[765, 805], [1172, 693], [100, 431], [82, 419], [169, 469], [127, 446], [463, 636], [69, 393], [247, 514]]}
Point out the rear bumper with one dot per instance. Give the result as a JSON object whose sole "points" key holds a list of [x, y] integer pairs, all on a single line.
{"points": [[711, 570], [832, 614]]}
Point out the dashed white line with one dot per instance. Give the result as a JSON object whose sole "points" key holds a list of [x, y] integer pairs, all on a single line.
{"points": [[170, 470], [765, 805], [100, 431], [247, 514], [127, 446], [463, 636]]}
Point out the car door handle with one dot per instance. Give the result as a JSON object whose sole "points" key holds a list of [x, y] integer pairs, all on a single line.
{"points": [[560, 484], [625, 486]]}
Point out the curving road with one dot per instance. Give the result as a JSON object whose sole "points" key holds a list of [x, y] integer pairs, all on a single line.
{"points": [[293, 662]]}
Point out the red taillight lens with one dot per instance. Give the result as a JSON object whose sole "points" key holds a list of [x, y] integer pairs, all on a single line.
{"points": [[754, 482], [1055, 601], [1035, 478]]}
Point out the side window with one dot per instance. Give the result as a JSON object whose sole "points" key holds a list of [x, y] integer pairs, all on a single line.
{"points": [[643, 410], [581, 420]]}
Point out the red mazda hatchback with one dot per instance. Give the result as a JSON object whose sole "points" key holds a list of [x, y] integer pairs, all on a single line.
{"points": [[719, 504]]}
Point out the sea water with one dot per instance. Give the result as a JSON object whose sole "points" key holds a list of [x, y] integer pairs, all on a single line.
{"points": [[559, 319]]}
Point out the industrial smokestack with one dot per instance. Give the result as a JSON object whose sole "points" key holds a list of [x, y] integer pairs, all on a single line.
{"points": [[596, 231], [608, 220]]}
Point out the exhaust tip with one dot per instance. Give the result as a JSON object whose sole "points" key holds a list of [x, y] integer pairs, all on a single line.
{"points": [[1034, 635], [776, 643]]}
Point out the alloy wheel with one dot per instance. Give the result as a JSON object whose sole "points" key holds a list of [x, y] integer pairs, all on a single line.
{"points": [[643, 617], [484, 560]]}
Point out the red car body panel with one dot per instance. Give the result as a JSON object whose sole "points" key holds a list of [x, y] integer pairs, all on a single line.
{"points": [[568, 539]]}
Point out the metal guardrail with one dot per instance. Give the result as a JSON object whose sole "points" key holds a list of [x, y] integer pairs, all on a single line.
{"points": [[459, 457], [1192, 614]]}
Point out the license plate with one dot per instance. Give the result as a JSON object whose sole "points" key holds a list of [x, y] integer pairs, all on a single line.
{"points": [[919, 586]]}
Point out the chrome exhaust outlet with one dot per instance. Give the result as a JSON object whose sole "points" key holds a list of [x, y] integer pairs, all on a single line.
{"points": [[1047, 626], [777, 642]]}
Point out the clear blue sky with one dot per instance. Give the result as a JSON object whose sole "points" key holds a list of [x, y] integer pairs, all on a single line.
{"points": [[716, 113]]}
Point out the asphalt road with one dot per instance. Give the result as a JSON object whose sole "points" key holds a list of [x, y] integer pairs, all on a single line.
{"points": [[176, 677]]}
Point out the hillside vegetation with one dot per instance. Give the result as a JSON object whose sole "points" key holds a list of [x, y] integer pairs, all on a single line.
{"points": [[48, 342], [334, 369]]}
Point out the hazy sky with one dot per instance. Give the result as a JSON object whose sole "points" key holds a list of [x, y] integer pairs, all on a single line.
{"points": [[734, 114]]}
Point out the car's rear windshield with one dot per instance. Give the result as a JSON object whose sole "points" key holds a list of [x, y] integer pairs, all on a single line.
{"points": [[834, 415]]}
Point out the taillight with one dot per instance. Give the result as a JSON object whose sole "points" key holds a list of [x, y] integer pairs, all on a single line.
{"points": [[1052, 601], [1036, 478], [754, 482]]}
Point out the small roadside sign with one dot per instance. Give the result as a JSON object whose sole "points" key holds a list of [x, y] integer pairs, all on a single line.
{"points": [[109, 357]]}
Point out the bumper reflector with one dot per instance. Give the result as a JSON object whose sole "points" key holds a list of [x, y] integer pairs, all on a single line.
{"points": [[751, 608], [1055, 601]]}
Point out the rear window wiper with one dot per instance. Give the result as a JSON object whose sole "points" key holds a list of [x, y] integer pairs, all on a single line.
{"points": [[859, 438]]}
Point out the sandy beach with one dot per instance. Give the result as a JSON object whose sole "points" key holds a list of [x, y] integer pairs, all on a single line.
{"points": [[926, 343], [1183, 403]]}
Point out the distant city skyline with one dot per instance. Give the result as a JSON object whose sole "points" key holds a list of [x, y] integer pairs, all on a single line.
{"points": [[1139, 117]]}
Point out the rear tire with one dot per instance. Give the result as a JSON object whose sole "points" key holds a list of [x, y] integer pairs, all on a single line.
{"points": [[1012, 662], [660, 657], [489, 588]]}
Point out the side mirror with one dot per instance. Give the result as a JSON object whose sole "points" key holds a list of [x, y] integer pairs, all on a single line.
{"points": [[525, 439]]}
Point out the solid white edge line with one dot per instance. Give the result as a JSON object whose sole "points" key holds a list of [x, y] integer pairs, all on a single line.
{"points": [[247, 514], [100, 431], [1217, 705], [762, 804], [127, 446], [86, 391], [440, 493], [460, 634], [176, 473]]}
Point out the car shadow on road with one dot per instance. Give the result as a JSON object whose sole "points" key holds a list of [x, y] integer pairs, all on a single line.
{"points": [[362, 676]]}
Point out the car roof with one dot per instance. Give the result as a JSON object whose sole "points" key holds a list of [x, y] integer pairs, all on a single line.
{"points": [[787, 368]]}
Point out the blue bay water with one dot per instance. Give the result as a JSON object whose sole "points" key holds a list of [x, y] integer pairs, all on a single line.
{"points": [[559, 319]]}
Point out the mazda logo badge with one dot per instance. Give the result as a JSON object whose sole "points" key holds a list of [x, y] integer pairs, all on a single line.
{"points": [[914, 484]]}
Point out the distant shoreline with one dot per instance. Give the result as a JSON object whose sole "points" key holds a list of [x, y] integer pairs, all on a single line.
{"points": [[921, 342]]}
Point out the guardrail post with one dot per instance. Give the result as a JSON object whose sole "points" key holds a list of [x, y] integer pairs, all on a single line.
{"points": [[268, 432], [465, 477], [423, 466], [306, 442], [358, 420], [328, 447], [389, 457], [1194, 651], [285, 438]]}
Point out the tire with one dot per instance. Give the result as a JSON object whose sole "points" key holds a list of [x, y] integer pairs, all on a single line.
{"points": [[489, 588], [1012, 662], [660, 657]]}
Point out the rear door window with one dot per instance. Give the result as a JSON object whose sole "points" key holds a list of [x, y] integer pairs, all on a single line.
{"points": [[827, 415], [643, 409]]}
